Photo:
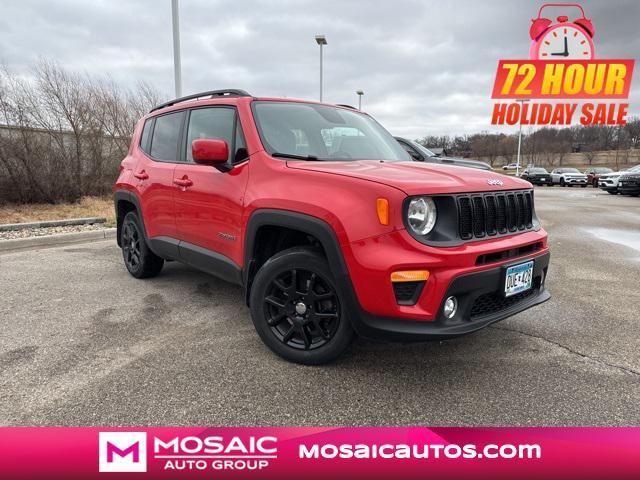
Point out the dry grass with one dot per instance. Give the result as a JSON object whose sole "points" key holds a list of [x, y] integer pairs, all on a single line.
{"points": [[87, 207]]}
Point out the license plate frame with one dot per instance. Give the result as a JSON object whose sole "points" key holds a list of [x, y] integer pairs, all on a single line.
{"points": [[518, 278]]}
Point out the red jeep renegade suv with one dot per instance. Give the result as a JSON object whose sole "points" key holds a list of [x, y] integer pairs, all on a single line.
{"points": [[326, 222]]}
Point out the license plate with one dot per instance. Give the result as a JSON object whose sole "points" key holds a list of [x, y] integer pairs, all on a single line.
{"points": [[518, 279], [543, 179]]}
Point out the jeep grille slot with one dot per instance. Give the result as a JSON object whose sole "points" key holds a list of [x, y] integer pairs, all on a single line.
{"points": [[489, 214], [528, 208], [511, 213], [478, 217], [501, 214], [491, 217], [465, 218]]}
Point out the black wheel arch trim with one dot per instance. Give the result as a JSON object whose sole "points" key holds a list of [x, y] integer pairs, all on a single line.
{"points": [[308, 224], [130, 197]]}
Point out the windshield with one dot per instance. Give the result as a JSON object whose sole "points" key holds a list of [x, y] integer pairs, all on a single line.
{"points": [[571, 170], [603, 170], [538, 170], [634, 169], [321, 132]]}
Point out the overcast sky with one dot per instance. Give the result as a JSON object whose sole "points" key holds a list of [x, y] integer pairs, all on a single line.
{"points": [[426, 67]]}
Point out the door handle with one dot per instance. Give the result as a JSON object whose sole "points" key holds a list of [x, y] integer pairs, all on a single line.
{"points": [[142, 175], [183, 182]]}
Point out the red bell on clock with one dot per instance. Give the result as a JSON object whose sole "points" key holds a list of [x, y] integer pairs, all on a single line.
{"points": [[564, 40]]}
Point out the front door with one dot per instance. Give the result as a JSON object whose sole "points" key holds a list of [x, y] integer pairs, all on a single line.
{"points": [[209, 201]]}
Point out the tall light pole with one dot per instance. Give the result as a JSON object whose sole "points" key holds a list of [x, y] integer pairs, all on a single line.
{"points": [[519, 137], [321, 40], [360, 93], [177, 68]]}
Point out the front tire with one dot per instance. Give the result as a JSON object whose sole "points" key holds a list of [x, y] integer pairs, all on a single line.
{"points": [[297, 309], [563, 183], [140, 261]]}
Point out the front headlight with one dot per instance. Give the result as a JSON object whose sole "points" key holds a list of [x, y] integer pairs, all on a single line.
{"points": [[421, 215]]}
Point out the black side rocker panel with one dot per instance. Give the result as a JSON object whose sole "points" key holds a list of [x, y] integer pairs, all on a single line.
{"points": [[185, 252]]}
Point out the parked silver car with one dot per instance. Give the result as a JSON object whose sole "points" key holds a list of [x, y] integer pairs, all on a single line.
{"points": [[609, 182], [568, 177]]}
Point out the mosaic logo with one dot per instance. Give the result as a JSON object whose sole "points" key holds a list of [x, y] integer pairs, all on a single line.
{"points": [[123, 452]]}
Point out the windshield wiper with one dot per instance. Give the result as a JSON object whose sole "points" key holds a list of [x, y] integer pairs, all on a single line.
{"points": [[294, 156]]}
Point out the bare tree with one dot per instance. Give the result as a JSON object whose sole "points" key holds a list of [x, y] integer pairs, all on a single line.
{"points": [[64, 134]]}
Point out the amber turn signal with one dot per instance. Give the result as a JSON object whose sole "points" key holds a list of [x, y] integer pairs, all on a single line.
{"points": [[382, 206], [410, 276]]}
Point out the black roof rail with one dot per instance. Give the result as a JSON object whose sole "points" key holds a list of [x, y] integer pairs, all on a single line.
{"points": [[230, 92], [346, 106]]}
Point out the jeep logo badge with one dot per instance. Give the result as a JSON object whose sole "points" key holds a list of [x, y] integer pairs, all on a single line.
{"points": [[495, 181]]}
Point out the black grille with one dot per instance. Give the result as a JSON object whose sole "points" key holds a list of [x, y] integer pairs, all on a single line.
{"points": [[495, 302], [491, 214]]}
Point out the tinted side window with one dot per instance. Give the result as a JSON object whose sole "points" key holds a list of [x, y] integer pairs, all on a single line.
{"points": [[146, 132], [214, 123], [166, 134]]}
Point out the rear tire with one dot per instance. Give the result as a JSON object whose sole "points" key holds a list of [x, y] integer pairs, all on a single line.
{"points": [[611, 192], [140, 261], [297, 309]]}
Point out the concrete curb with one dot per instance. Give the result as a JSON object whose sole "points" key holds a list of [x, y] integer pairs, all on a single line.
{"points": [[9, 227], [59, 239]]}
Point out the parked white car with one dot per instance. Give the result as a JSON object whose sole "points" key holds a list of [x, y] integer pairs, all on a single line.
{"points": [[609, 182], [511, 166], [568, 177]]}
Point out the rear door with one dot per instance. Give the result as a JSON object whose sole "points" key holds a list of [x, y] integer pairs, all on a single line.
{"points": [[209, 210], [154, 174]]}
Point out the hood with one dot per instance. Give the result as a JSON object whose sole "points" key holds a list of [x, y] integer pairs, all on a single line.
{"points": [[573, 174], [633, 175], [416, 178]]}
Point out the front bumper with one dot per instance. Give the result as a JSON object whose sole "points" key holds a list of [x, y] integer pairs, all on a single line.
{"points": [[629, 187], [480, 303], [575, 181], [541, 180], [608, 184]]}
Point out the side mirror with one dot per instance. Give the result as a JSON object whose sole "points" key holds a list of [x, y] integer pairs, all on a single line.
{"points": [[207, 151], [416, 156]]}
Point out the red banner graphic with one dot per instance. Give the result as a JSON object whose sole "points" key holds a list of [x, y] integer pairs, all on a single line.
{"points": [[563, 79], [319, 453]]}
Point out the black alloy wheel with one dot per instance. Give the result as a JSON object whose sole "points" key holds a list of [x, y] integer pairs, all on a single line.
{"points": [[131, 246], [140, 261], [297, 308], [302, 309]]}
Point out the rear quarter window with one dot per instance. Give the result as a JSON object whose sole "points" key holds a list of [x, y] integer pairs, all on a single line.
{"points": [[166, 135], [146, 135]]}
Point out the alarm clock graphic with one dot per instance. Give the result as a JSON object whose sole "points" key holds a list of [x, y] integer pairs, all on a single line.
{"points": [[564, 40]]}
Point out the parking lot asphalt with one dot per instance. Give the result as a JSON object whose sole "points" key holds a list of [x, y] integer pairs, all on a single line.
{"points": [[83, 343]]}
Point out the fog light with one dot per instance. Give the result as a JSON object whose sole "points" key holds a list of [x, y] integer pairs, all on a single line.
{"points": [[450, 307]]}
